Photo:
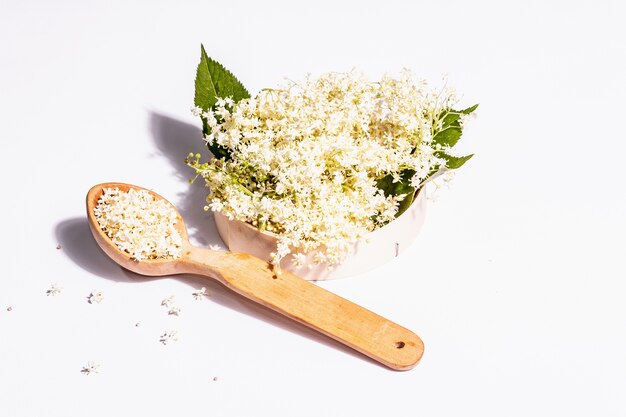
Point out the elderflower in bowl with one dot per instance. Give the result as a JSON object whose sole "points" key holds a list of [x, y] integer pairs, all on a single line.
{"points": [[324, 177]]}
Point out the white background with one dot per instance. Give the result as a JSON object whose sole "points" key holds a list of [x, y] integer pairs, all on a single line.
{"points": [[516, 283]]}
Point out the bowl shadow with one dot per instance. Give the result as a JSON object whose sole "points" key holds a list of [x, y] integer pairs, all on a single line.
{"points": [[174, 140]]}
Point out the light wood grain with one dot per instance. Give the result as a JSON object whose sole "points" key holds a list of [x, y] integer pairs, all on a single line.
{"points": [[300, 300]]}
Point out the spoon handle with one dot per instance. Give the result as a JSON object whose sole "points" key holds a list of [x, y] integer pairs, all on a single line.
{"points": [[309, 304]]}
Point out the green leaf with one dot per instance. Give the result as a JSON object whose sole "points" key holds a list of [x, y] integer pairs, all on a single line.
{"points": [[454, 162], [448, 136], [397, 188], [469, 109], [219, 151], [206, 96], [213, 81], [451, 117], [451, 129]]}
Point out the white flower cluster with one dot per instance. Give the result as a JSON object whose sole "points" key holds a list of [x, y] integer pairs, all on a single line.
{"points": [[139, 224], [304, 160]]}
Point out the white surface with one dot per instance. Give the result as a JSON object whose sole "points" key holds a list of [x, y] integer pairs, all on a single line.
{"points": [[516, 283]]}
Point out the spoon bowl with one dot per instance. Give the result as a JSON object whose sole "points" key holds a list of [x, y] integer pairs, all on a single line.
{"points": [[255, 279], [149, 267]]}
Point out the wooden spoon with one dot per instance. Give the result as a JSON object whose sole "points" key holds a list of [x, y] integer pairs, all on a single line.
{"points": [[300, 300]]}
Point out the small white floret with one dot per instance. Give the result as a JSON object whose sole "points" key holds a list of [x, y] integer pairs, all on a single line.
{"points": [[168, 336], [95, 297], [53, 290], [90, 368], [168, 301], [200, 294]]}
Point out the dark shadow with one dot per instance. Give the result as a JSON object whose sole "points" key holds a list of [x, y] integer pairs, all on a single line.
{"points": [[79, 245], [175, 139]]}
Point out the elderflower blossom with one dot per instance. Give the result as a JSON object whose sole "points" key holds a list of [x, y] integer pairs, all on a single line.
{"points": [[200, 294], [168, 336], [95, 297], [139, 224], [90, 368], [304, 160], [53, 290]]}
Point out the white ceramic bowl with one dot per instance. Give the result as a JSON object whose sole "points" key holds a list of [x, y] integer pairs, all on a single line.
{"points": [[381, 245]]}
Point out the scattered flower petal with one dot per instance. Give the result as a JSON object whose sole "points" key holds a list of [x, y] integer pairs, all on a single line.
{"points": [[91, 368], [95, 297], [199, 294], [167, 302], [53, 290], [168, 336]]}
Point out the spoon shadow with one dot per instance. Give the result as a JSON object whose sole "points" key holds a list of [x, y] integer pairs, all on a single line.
{"points": [[79, 245]]}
